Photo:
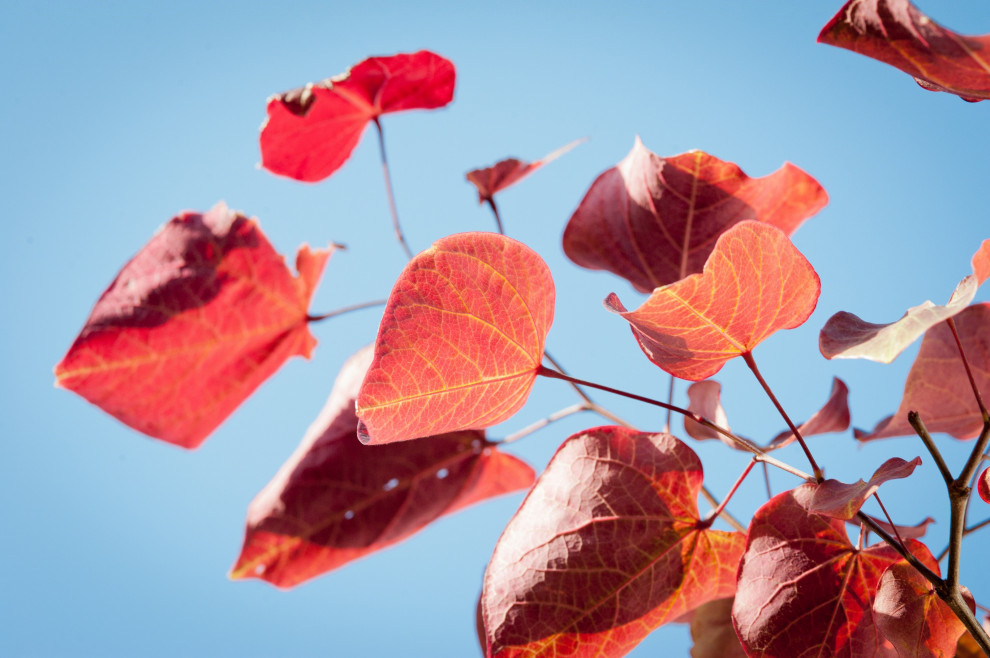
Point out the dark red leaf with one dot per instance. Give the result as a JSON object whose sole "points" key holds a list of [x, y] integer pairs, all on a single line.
{"points": [[937, 386], [655, 220], [754, 283], [311, 131], [196, 321], [606, 547], [712, 631], [983, 485], [336, 500], [510, 171], [842, 501], [461, 339], [804, 590], [832, 417], [896, 33]]}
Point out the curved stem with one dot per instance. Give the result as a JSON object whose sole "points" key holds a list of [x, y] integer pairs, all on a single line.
{"points": [[749, 467], [543, 422], [498, 220], [388, 191], [346, 309]]}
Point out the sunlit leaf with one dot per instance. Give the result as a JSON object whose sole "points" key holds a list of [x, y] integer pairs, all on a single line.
{"points": [[336, 500], [983, 485], [655, 220], [606, 547], [705, 399], [903, 531], [192, 325], [461, 339], [712, 631], [832, 417], [311, 131], [842, 501], [754, 283], [504, 173]]}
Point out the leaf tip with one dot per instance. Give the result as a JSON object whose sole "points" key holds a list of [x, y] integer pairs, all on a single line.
{"points": [[612, 303]]}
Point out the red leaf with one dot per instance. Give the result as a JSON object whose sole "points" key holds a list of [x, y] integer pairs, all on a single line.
{"points": [[606, 547], [712, 631], [911, 615], [510, 171], [983, 485], [833, 417], [654, 220], [896, 33], [704, 399], [800, 572], [904, 531], [196, 321], [311, 131], [845, 336], [842, 501], [937, 386], [754, 283], [461, 340], [336, 500]]}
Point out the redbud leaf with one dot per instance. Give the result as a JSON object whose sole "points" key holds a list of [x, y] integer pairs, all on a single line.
{"points": [[712, 631], [754, 283], [705, 399], [461, 340], [654, 221], [846, 336], [336, 500], [311, 131], [983, 485], [192, 325], [911, 615], [896, 33], [804, 589], [904, 531], [937, 386], [510, 171], [842, 501], [832, 417], [606, 547]]}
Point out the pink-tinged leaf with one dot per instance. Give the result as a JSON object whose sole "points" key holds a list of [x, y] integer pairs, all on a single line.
{"points": [[311, 131], [712, 631], [896, 33], [903, 531], [654, 221], [504, 173], [801, 572], [192, 325], [937, 386], [336, 500], [912, 617], [704, 399], [606, 547], [461, 340], [983, 485], [842, 501], [833, 417], [845, 336], [754, 283]]}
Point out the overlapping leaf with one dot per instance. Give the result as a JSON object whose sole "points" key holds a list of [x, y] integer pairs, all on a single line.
{"points": [[801, 572], [754, 283], [845, 336], [461, 339], [832, 417], [937, 386], [311, 131], [606, 547], [197, 320], [655, 220], [510, 171], [712, 631], [983, 485], [903, 531], [896, 33], [336, 500], [842, 501]]}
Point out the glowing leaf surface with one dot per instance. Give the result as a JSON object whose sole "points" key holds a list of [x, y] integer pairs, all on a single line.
{"points": [[510, 171]]}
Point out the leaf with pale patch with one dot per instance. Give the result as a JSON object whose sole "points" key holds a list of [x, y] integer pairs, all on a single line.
{"points": [[842, 501]]}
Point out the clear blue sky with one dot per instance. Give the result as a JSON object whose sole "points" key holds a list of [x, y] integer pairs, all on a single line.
{"points": [[117, 115]]}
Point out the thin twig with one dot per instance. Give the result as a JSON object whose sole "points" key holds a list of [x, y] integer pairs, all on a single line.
{"points": [[893, 526], [725, 501], [543, 422], [670, 400], [346, 309], [969, 372], [388, 191], [919, 427]]}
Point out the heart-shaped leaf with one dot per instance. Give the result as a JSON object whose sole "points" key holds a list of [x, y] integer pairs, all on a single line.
{"points": [[311, 131], [754, 283], [606, 547], [842, 501], [336, 500], [461, 340], [510, 171], [937, 386], [196, 321], [896, 33], [654, 220]]}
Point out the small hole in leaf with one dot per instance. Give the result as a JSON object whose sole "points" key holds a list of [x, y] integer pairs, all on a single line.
{"points": [[391, 484], [442, 473]]}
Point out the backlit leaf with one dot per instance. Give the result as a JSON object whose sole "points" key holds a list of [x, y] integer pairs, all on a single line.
{"points": [[937, 386], [606, 547], [832, 417], [510, 171], [196, 321], [311, 131], [336, 500], [983, 485], [712, 631], [801, 572], [754, 283], [845, 336], [461, 339], [704, 399], [896, 33], [904, 531], [842, 501], [655, 220]]}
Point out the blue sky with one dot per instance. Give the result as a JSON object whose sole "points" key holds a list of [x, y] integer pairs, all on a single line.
{"points": [[118, 115]]}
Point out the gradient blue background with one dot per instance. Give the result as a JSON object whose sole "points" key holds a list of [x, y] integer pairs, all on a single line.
{"points": [[117, 115]]}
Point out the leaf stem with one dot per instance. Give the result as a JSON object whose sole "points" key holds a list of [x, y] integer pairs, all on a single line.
{"points": [[388, 191], [346, 309], [498, 220], [543, 422], [748, 357], [969, 372], [919, 427], [670, 400], [893, 526], [725, 501]]}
